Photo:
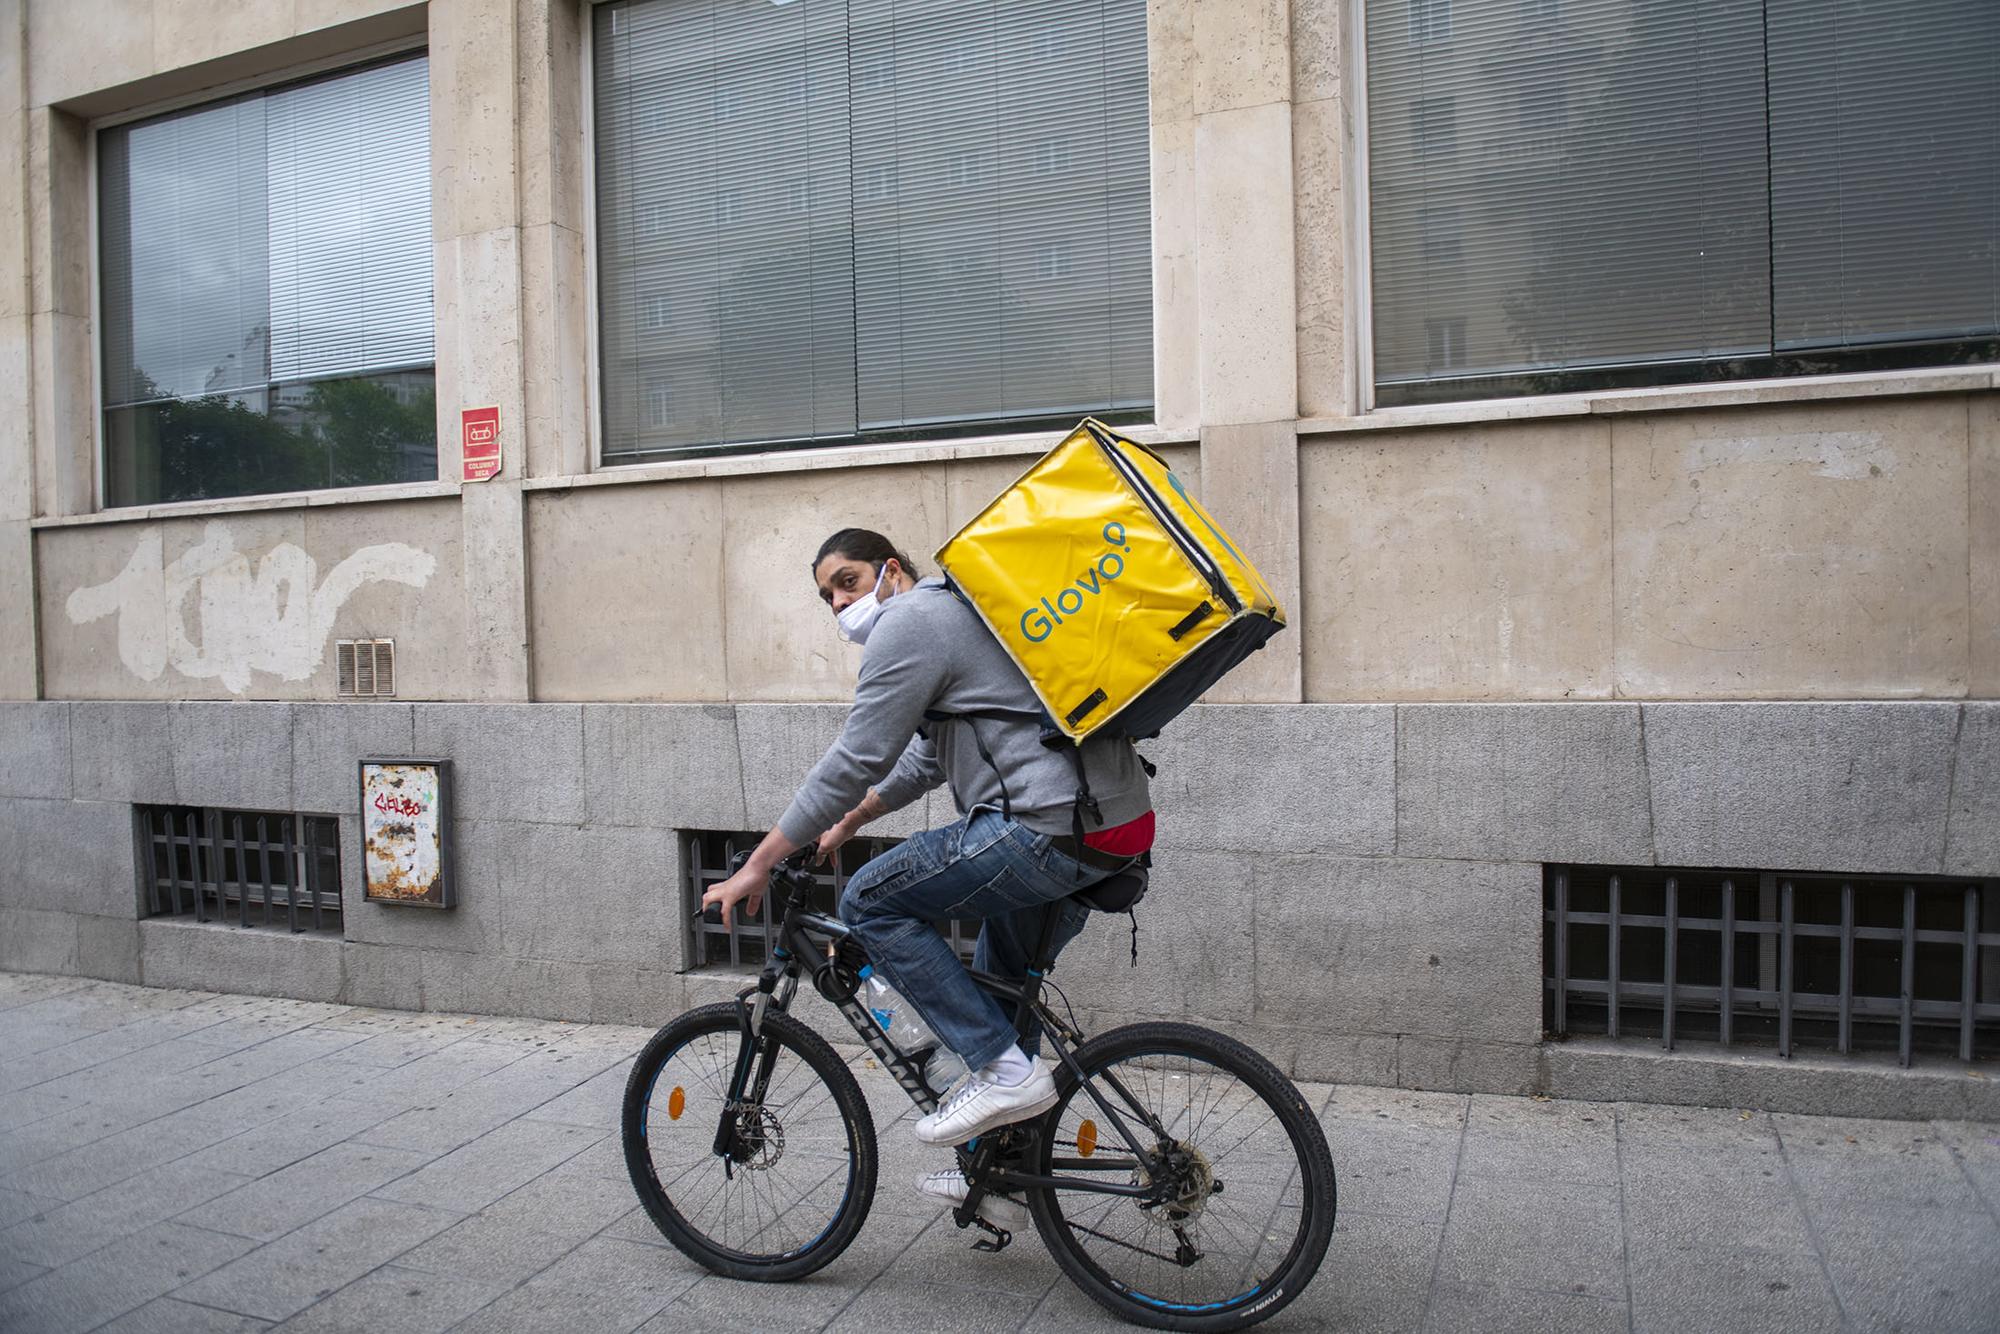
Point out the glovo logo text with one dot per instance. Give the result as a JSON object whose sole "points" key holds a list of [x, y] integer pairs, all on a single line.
{"points": [[1040, 621]]}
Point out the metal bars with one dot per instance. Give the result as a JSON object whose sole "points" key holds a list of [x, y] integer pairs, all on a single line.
{"points": [[217, 865], [746, 943], [1841, 963]]}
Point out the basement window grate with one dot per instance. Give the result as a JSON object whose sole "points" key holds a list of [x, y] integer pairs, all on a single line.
{"points": [[1841, 963], [365, 668], [253, 868], [745, 944]]}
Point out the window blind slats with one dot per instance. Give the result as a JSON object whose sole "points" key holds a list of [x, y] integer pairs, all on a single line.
{"points": [[350, 224], [1885, 191], [1568, 185], [833, 217], [185, 306], [274, 238]]}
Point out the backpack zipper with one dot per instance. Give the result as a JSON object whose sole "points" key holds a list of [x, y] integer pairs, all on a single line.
{"points": [[1203, 564]]}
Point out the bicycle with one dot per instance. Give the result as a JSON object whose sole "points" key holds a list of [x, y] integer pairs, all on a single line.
{"points": [[1180, 1180]]}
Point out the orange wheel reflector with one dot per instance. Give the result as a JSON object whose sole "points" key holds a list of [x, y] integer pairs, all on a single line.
{"points": [[1086, 1138], [677, 1103]]}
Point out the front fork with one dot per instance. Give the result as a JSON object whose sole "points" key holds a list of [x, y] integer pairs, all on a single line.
{"points": [[755, 1058]]}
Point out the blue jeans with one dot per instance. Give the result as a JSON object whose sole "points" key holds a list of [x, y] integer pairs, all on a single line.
{"points": [[984, 865]]}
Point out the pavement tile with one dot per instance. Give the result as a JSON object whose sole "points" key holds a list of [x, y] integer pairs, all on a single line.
{"points": [[1731, 1291], [716, 1302], [533, 1309], [1067, 1308], [291, 1197], [486, 1248], [25, 1106], [394, 1300], [83, 1124], [1695, 1204], [286, 1276], [1835, 1159], [564, 1202], [89, 1168], [1976, 1147], [468, 1179], [388, 1049], [598, 1101], [1670, 1130], [603, 1284], [1495, 1309], [1913, 1269], [1374, 1277], [1540, 1141], [15, 1206], [1389, 1167], [265, 1148], [110, 1282], [166, 1315], [941, 1254], [1556, 1234], [66, 1232], [889, 1304], [431, 1077], [14, 1271], [18, 989]]}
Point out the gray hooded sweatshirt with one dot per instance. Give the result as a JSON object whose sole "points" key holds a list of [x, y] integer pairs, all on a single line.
{"points": [[929, 651]]}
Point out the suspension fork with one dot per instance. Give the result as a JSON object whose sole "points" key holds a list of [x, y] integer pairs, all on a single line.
{"points": [[755, 1058]]}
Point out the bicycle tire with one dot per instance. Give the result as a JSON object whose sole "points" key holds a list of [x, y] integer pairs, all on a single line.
{"points": [[694, 1045], [1163, 1044]]}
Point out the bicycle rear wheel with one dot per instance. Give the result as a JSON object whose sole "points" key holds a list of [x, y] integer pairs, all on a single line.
{"points": [[794, 1184], [1250, 1209]]}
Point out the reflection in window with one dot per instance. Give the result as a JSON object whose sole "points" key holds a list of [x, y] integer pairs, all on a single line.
{"points": [[1447, 342], [266, 293]]}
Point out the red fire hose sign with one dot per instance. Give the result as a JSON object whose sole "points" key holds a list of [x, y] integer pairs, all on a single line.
{"points": [[482, 443]]}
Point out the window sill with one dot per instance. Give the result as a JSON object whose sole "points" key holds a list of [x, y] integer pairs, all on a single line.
{"points": [[1673, 398], [840, 456], [287, 500]]}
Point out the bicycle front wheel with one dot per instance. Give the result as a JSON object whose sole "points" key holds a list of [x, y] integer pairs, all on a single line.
{"points": [[767, 1190], [1248, 1207]]}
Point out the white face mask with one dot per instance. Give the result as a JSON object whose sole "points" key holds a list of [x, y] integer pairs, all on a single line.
{"points": [[858, 617]]}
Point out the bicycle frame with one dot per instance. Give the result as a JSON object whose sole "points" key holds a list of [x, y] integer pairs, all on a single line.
{"points": [[805, 936]]}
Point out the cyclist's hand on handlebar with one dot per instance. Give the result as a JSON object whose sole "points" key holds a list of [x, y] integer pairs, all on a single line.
{"points": [[830, 842], [746, 886]]}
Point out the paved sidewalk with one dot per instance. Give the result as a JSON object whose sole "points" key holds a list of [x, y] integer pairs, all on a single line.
{"points": [[180, 1161]]}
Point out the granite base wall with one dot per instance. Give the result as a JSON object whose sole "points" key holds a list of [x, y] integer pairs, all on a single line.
{"points": [[1354, 889]]}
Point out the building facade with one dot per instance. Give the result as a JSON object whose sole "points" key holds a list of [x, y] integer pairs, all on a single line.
{"points": [[1634, 497]]}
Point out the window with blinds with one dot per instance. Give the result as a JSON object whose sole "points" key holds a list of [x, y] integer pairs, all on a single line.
{"points": [[1578, 194], [266, 291], [827, 220]]}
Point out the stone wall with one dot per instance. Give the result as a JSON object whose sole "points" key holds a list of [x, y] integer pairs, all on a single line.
{"points": [[1355, 889]]}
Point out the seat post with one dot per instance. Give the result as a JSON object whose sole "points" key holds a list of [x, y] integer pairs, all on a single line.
{"points": [[1044, 947]]}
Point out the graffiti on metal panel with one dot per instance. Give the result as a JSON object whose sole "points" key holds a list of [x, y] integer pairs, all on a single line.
{"points": [[271, 615], [401, 833]]}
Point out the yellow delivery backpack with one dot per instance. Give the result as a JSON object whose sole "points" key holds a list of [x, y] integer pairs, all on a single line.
{"points": [[1113, 590]]}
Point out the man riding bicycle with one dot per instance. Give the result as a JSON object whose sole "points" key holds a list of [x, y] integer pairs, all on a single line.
{"points": [[1011, 853]]}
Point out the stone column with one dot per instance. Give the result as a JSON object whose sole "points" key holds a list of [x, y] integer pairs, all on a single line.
{"points": [[476, 228], [18, 675], [1223, 143]]}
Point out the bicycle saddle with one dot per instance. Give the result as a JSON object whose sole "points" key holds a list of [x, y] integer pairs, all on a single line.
{"points": [[1115, 893]]}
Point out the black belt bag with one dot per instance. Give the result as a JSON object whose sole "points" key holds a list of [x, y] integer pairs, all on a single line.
{"points": [[1068, 846]]}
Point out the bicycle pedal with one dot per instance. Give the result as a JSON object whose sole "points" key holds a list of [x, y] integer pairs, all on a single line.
{"points": [[996, 1239]]}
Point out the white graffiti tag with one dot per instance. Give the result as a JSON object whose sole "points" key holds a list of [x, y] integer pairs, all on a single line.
{"points": [[273, 618]]}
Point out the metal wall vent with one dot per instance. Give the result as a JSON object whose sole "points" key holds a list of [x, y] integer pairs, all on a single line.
{"points": [[366, 668]]}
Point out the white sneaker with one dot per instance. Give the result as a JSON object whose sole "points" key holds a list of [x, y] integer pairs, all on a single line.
{"points": [[979, 1106], [949, 1186]]}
